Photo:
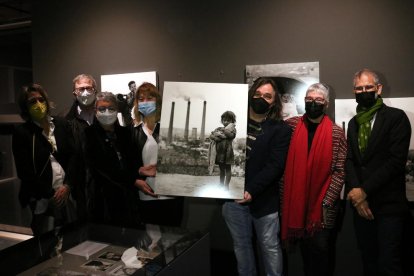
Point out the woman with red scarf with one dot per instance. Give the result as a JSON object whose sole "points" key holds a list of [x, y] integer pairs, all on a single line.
{"points": [[313, 180]]}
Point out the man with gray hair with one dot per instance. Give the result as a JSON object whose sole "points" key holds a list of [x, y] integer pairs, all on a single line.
{"points": [[80, 116], [378, 143], [313, 180]]}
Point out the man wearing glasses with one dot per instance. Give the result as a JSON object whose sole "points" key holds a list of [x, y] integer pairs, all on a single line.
{"points": [[80, 116], [378, 143], [313, 180]]}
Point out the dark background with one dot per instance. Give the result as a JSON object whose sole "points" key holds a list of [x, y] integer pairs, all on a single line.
{"points": [[213, 41]]}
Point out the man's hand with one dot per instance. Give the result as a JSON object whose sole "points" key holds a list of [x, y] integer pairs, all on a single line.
{"points": [[144, 187], [364, 210], [357, 196], [247, 198], [149, 170]]}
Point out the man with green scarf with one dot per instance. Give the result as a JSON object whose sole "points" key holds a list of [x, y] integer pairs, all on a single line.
{"points": [[378, 143]]}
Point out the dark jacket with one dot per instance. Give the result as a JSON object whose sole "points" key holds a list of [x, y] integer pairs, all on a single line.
{"points": [[82, 179], [31, 152], [265, 167], [381, 170], [111, 163]]}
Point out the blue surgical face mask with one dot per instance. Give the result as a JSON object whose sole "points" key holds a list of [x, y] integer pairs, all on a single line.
{"points": [[147, 108]]}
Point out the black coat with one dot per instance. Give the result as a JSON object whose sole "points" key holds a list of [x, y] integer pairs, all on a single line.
{"points": [[31, 152], [111, 162], [81, 177], [381, 170]]}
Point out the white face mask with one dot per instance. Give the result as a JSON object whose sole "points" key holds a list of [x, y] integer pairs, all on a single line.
{"points": [[106, 118], [86, 98]]}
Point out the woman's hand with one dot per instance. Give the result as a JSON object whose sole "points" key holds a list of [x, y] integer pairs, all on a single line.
{"points": [[149, 170], [61, 195], [144, 187]]}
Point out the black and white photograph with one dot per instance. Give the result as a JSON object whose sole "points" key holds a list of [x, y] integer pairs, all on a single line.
{"points": [[111, 256], [120, 83], [292, 79], [345, 109], [124, 87], [202, 140], [97, 265]]}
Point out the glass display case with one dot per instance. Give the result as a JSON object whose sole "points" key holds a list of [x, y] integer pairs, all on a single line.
{"points": [[92, 249]]}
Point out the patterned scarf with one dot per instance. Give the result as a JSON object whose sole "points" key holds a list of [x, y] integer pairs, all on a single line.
{"points": [[306, 180], [363, 118]]}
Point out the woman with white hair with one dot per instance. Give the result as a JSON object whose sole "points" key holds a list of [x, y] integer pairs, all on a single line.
{"points": [[108, 150]]}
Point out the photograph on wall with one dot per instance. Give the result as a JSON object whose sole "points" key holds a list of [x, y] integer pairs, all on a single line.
{"points": [[124, 87], [292, 79], [202, 140], [345, 109]]}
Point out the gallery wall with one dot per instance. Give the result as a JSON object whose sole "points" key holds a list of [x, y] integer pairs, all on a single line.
{"points": [[213, 41]]}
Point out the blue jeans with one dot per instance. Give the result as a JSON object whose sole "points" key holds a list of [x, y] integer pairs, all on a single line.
{"points": [[240, 223]]}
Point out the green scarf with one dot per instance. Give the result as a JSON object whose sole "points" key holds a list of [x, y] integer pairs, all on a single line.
{"points": [[364, 117]]}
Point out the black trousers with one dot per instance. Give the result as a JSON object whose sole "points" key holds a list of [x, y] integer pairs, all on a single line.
{"points": [[381, 244], [318, 253]]}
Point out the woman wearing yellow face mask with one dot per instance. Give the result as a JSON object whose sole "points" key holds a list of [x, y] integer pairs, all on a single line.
{"points": [[42, 149]]}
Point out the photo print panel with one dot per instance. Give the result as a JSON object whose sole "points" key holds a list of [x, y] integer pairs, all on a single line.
{"points": [[202, 140], [292, 79], [345, 109], [124, 87]]}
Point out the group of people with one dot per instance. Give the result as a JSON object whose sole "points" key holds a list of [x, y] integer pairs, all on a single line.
{"points": [[295, 171], [297, 168], [84, 165]]}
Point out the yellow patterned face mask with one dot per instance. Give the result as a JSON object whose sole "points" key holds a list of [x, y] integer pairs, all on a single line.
{"points": [[38, 111]]}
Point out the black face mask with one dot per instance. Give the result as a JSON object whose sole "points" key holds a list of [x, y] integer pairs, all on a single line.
{"points": [[259, 105], [313, 109], [366, 99]]}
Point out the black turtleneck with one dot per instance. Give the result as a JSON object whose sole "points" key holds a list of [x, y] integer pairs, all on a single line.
{"points": [[311, 132]]}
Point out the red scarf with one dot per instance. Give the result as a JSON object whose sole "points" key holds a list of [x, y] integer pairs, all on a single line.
{"points": [[306, 180]]}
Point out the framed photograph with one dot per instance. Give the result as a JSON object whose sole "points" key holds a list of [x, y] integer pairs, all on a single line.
{"points": [[124, 87], [118, 83], [202, 140], [293, 79], [345, 109]]}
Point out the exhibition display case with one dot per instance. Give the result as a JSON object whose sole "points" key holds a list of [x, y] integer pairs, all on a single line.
{"points": [[92, 249]]}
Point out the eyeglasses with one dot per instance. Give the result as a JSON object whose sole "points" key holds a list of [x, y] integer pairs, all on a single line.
{"points": [[102, 109], [316, 100], [79, 90], [34, 100], [366, 88]]}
